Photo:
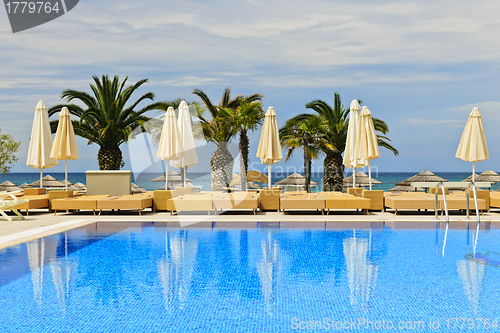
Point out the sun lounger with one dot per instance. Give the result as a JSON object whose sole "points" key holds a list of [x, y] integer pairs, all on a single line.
{"points": [[11, 203], [136, 202], [161, 200], [495, 199], [376, 199], [239, 200], [33, 202], [457, 200], [194, 202], [34, 191], [410, 201], [59, 195], [269, 199], [426, 201], [355, 191], [284, 194], [78, 203], [308, 201], [342, 201]]}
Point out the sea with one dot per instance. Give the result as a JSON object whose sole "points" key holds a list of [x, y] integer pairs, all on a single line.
{"points": [[388, 179]]}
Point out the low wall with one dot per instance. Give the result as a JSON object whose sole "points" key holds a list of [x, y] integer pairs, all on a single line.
{"points": [[112, 182]]}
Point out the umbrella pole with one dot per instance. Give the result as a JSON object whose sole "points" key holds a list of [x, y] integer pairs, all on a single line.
{"points": [[473, 170], [41, 171], [354, 177], [66, 173], [269, 175], [185, 175], [370, 174], [166, 175]]}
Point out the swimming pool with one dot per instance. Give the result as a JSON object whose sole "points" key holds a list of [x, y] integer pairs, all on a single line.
{"points": [[117, 277]]}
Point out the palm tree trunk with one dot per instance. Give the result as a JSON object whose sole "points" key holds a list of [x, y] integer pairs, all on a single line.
{"points": [[221, 165], [109, 158], [307, 163], [333, 172], [243, 158]]}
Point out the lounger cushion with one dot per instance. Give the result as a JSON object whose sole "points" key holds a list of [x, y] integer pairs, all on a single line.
{"points": [[239, 200], [140, 201], [302, 201]]}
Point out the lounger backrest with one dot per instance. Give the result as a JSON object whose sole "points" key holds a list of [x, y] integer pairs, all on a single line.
{"points": [[178, 191], [35, 191]]}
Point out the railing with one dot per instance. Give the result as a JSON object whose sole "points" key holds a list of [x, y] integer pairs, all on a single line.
{"points": [[471, 184], [440, 184]]}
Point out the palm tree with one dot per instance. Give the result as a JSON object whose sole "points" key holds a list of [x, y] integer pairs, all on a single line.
{"points": [[107, 120], [248, 116], [334, 125], [298, 133], [219, 130]]}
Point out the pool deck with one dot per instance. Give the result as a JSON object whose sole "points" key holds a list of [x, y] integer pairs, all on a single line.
{"points": [[40, 223]]}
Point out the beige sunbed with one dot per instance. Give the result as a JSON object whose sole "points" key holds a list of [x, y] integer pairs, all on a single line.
{"points": [[238, 200], [135, 202], [494, 199], [302, 201], [202, 201], [33, 202], [428, 201], [269, 199], [411, 201], [32, 198], [376, 199], [338, 200], [78, 203], [60, 195]]}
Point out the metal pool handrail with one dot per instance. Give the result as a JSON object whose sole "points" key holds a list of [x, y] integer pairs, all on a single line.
{"points": [[471, 184], [440, 184]]}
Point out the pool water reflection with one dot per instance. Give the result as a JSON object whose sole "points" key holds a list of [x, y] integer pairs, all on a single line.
{"points": [[147, 277]]}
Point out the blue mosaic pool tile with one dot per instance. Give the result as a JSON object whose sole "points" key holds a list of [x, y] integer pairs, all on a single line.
{"points": [[180, 280]]}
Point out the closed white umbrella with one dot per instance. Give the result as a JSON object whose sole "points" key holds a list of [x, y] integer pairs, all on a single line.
{"points": [[367, 145], [176, 270], [269, 150], [36, 258], [269, 270], [41, 141], [472, 147], [187, 138], [170, 147], [64, 147], [361, 273], [352, 135], [472, 275]]}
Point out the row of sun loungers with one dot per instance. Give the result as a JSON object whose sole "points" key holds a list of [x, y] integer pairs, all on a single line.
{"points": [[427, 201], [180, 200]]}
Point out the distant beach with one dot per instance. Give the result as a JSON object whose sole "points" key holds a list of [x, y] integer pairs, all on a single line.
{"points": [[388, 179]]}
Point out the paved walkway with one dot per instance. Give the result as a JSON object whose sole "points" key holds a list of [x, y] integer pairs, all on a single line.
{"points": [[40, 223]]}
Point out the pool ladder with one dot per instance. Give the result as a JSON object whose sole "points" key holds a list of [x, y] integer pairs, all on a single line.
{"points": [[440, 184], [471, 185]]}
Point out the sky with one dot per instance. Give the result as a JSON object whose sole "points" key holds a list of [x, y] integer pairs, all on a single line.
{"points": [[421, 66]]}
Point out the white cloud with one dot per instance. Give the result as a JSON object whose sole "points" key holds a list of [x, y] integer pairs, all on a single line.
{"points": [[488, 109]]}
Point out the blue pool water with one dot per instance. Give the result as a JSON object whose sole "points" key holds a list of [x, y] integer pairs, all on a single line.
{"points": [[149, 278]]}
